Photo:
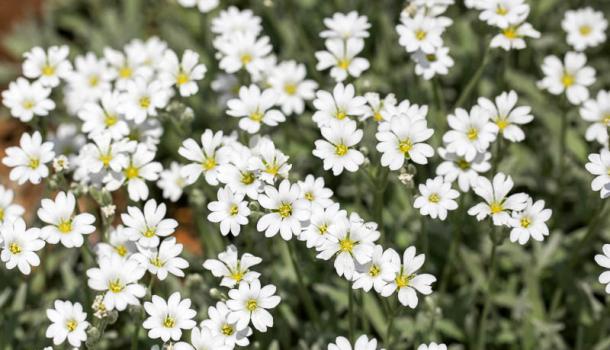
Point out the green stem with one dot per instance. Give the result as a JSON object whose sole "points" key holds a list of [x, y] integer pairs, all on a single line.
{"points": [[474, 80], [388, 333], [302, 289], [487, 305], [350, 296], [562, 160], [378, 204]]}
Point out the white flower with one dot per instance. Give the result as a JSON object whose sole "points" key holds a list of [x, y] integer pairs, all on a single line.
{"points": [[313, 190], [336, 150], [341, 56], [321, 219], [597, 111], [497, 203], [90, 79], [502, 13], [48, 67], [512, 36], [434, 7], [408, 282], [345, 26], [570, 76], [9, 211], [239, 177], [234, 20], [362, 343], [432, 346], [68, 322], [204, 6], [204, 339], [603, 260], [27, 100], [142, 99], [164, 260], [341, 104], [506, 117], [61, 163], [288, 210], [377, 108], [436, 198], [254, 108], [230, 210], [457, 168], [126, 67], [29, 159], [376, 273], [403, 138], [172, 182], [269, 161], [118, 244], [118, 279], [63, 225], [137, 169], [288, 81], [19, 245], [232, 269], [147, 226], [184, 73], [167, 319], [421, 32], [250, 302], [103, 117], [350, 242], [108, 210], [585, 28], [599, 165], [428, 65], [220, 326], [530, 222], [242, 50], [206, 158], [471, 132]]}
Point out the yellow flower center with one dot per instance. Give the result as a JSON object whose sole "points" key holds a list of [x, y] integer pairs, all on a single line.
{"points": [[323, 229], [377, 116], [182, 79], [420, 35], [272, 169], [463, 164], [48, 70], [496, 207], [33, 163], [405, 146], [290, 89], [340, 115], [65, 226], [584, 30], [567, 80], [27, 104], [169, 322], [234, 210], [343, 63], [247, 178], [256, 116], [144, 102], [510, 32], [502, 124], [374, 271], [94, 80], [227, 329], [237, 276], [525, 222], [131, 172], [149, 232], [501, 10], [434, 198], [156, 262], [403, 280], [285, 210], [341, 149], [246, 58], [115, 286], [121, 250], [209, 163], [110, 120], [251, 305], [309, 196], [472, 134], [105, 159], [14, 248], [431, 57], [71, 325], [346, 245], [606, 120], [1, 214], [125, 72]]}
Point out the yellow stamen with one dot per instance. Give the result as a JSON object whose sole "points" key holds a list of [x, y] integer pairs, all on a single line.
{"points": [[256, 116], [48, 70], [156, 262], [14, 248], [182, 79], [234, 210], [110, 120], [251, 305], [584, 30], [33, 163], [246, 58], [115, 286], [94, 80], [125, 72], [105, 159], [121, 250], [209, 163], [1, 214], [501, 10], [285, 210], [405, 146], [496, 207], [309, 196], [510, 32], [323, 229], [27, 104], [144, 102], [434, 198], [403, 280], [502, 124], [606, 120], [131, 172], [272, 169], [340, 115], [374, 270], [472, 134], [377, 116], [247, 178], [341, 149], [431, 57], [65, 226], [149, 232], [463, 164], [227, 329], [525, 222], [290, 89], [343, 63], [71, 325], [237, 276], [169, 322], [567, 80], [346, 245], [420, 35]]}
